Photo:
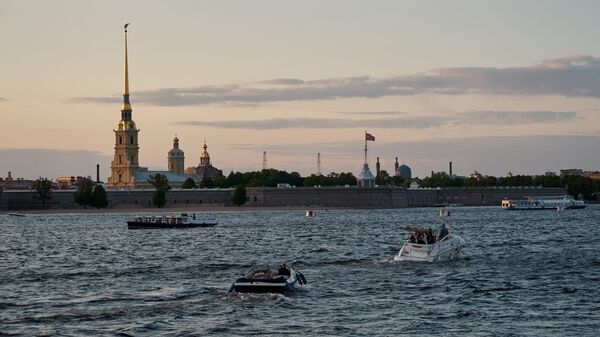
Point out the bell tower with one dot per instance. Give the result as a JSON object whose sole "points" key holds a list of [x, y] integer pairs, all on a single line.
{"points": [[176, 158], [125, 165]]}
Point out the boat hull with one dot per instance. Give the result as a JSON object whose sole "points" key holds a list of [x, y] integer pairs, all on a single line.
{"points": [[145, 225], [248, 285], [445, 250]]}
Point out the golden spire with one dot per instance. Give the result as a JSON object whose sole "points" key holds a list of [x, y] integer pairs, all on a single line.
{"points": [[126, 104]]}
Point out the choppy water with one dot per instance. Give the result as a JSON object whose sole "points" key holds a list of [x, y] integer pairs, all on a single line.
{"points": [[523, 273]]}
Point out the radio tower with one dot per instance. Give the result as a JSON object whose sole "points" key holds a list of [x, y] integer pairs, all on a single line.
{"points": [[319, 164], [264, 160]]}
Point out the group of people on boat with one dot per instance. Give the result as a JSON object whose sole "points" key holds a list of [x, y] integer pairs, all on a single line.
{"points": [[422, 235]]}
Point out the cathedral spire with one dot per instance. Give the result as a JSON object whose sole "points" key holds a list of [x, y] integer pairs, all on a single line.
{"points": [[126, 108]]}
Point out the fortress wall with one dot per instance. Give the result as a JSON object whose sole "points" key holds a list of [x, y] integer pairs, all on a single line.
{"points": [[353, 197], [63, 199], [325, 197]]}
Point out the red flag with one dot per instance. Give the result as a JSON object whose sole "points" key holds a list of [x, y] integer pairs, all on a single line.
{"points": [[369, 136]]}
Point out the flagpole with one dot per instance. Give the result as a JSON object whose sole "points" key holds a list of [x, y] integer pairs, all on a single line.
{"points": [[365, 146]]}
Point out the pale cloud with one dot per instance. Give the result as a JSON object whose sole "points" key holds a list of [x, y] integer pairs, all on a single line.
{"points": [[3, 99], [405, 122], [576, 76]]}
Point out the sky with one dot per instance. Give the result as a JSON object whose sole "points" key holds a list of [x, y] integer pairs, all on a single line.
{"points": [[492, 86]]}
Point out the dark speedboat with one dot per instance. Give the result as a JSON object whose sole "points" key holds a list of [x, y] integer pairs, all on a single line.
{"points": [[181, 221], [263, 279]]}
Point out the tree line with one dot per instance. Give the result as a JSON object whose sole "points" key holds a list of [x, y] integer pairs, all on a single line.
{"points": [[92, 194], [574, 184]]}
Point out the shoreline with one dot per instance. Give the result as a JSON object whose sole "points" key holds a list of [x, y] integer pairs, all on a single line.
{"points": [[168, 210]]}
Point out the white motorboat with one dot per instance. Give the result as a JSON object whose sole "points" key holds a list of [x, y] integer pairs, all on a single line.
{"points": [[422, 246]]}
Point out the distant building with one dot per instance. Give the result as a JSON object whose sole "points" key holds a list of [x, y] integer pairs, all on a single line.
{"points": [[176, 158], [571, 172], [69, 182], [592, 174], [402, 171], [10, 183], [125, 165], [205, 168], [476, 175]]}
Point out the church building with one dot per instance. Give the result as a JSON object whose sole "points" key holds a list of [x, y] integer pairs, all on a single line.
{"points": [[125, 169], [125, 165]]}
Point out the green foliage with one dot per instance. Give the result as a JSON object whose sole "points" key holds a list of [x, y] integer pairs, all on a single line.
{"points": [[239, 196], [83, 195], [189, 183], [42, 190], [207, 182], [99, 198], [235, 179], [397, 181], [332, 179], [577, 185], [220, 181], [383, 178], [161, 184], [159, 198]]}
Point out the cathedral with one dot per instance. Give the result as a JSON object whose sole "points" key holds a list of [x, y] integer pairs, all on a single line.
{"points": [[125, 169]]}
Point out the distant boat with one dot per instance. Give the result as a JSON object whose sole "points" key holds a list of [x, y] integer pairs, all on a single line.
{"points": [[17, 214], [543, 203], [310, 213], [182, 221]]}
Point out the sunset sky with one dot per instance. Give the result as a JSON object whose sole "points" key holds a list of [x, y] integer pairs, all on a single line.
{"points": [[493, 86]]}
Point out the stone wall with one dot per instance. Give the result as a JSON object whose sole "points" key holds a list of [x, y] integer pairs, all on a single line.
{"points": [[352, 197], [63, 199]]}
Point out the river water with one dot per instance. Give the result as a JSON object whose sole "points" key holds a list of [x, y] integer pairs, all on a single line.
{"points": [[522, 274]]}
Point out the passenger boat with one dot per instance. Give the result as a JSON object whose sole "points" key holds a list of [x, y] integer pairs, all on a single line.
{"points": [[543, 203], [417, 248], [263, 279], [180, 221]]}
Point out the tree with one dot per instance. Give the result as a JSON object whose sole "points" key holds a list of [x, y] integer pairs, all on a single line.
{"points": [[189, 183], [99, 199], [207, 182], [239, 196], [42, 190], [83, 195], [159, 198], [161, 184]]}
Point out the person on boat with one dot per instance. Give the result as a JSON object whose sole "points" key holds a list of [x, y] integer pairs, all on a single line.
{"points": [[430, 236], [443, 232], [412, 239], [283, 270], [419, 237]]}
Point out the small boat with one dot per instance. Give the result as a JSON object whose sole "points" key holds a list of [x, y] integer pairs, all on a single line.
{"points": [[16, 214], [310, 213], [263, 279], [421, 245], [181, 221]]}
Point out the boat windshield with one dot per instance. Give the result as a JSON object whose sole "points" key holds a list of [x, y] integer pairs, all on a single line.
{"points": [[259, 268]]}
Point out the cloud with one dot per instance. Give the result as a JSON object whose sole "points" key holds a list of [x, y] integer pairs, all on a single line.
{"points": [[2, 99], [575, 76], [500, 118]]}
